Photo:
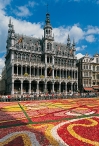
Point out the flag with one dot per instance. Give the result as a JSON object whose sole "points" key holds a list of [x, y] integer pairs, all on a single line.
{"points": [[50, 71], [71, 51], [20, 40], [59, 48], [37, 44]]}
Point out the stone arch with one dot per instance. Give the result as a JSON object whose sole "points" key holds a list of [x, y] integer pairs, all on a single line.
{"points": [[28, 69], [68, 86], [49, 86], [25, 86], [74, 87], [49, 71], [43, 71], [15, 68], [17, 86], [34, 86], [19, 69], [24, 69], [56, 86], [41, 86], [63, 84]]}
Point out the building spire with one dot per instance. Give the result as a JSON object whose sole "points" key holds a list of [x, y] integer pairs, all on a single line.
{"points": [[73, 42], [68, 40], [47, 7], [9, 22], [47, 19]]}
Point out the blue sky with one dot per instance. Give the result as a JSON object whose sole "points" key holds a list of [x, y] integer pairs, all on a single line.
{"points": [[78, 18]]}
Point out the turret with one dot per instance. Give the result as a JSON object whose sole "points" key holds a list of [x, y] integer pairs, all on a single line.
{"points": [[68, 41], [47, 27]]}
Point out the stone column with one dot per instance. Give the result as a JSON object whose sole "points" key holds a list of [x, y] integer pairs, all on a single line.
{"points": [[53, 73], [53, 66], [37, 87], [45, 86], [49, 60], [52, 87], [45, 66], [12, 69], [12, 91], [72, 87], [66, 74]]}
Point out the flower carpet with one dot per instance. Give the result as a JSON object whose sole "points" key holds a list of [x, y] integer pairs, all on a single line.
{"points": [[58, 122]]}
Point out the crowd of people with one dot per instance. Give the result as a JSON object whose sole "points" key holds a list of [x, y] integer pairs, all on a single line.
{"points": [[44, 96]]}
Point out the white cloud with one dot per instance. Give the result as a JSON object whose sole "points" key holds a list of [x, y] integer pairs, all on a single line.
{"points": [[81, 48], [84, 46], [79, 55], [92, 30], [4, 3], [23, 11], [32, 4], [90, 38], [28, 28], [97, 1], [75, 32], [1, 64]]}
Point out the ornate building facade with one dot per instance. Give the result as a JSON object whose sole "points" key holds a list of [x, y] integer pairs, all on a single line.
{"points": [[88, 73], [39, 65]]}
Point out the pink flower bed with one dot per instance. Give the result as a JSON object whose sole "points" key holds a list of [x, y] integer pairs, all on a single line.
{"points": [[72, 122]]}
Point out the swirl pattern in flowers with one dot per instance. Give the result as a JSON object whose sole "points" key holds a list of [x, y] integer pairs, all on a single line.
{"points": [[66, 122]]}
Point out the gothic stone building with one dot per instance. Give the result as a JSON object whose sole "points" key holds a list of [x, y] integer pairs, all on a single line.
{"points": [[39, 65]]}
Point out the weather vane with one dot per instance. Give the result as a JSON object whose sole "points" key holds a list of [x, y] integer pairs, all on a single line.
{"points": [[47, 7]]}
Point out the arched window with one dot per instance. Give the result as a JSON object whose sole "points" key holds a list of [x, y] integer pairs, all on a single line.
{"points": [[49, 46], [98, 76], [27, 57], [23, 56], [46, 31], [19, 56], [15, 55]]}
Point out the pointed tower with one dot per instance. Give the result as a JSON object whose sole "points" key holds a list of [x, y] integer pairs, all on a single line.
{"points": [[11, 35], [47, 27], [73, 47], [9, 28], [48, 38], [48, 45], [68, 41]]}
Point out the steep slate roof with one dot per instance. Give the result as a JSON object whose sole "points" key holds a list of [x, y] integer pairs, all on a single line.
{"points": [[28, 40]]}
